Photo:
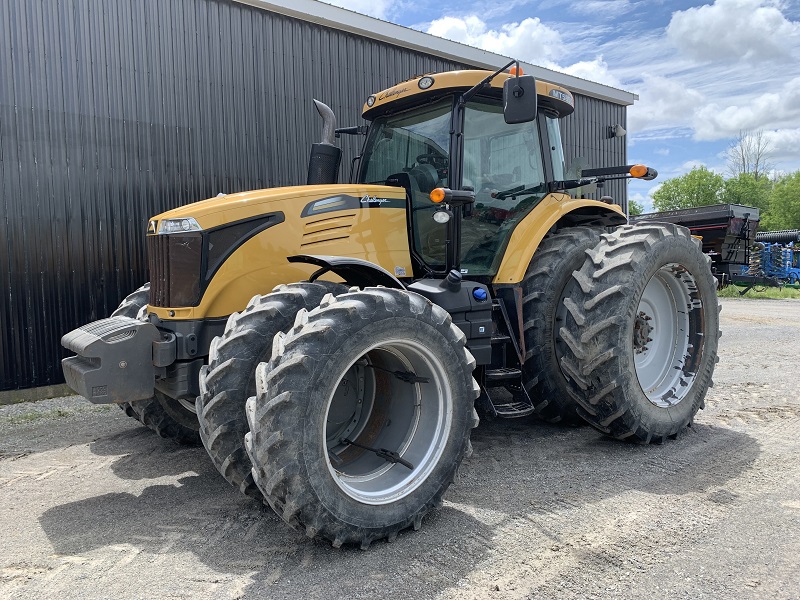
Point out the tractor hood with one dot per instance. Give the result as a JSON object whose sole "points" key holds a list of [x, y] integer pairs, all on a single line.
{"points": [[209, 258], [306, 199]]}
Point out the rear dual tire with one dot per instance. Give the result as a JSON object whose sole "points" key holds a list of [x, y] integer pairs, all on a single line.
{"points": [[544, 287], [641, 333]]}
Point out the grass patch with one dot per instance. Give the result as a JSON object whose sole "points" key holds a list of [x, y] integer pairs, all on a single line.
{"points": [[30, 417], [732, 291]]}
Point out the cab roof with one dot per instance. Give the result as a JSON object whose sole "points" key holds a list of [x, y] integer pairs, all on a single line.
{"points": [[424, 87]]}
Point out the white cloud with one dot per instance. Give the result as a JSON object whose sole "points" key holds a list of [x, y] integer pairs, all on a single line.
{"points": [[601, 9], [646, 201], [662, 103], [594, 70], [784, 146], [380, 9], [729, 75], [529, 40], [731, 30], [771, 109]]}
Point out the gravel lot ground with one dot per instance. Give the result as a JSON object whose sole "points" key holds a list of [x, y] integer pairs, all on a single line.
{"points": [[93, 505]]}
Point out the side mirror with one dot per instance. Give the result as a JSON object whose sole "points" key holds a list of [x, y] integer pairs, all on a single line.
{"points": [[519, 99]]}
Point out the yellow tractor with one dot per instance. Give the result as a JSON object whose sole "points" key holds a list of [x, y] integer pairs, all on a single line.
{"points": [[329, 343]]}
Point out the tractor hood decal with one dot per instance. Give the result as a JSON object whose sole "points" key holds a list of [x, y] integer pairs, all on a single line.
{"points": [[347, 202]]}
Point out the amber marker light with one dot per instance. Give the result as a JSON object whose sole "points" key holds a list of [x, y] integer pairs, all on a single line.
{"points": [[437, 195], [515, 71], [638, 171]]}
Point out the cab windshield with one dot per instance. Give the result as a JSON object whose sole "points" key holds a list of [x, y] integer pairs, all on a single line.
{"points": [[502, 164]]}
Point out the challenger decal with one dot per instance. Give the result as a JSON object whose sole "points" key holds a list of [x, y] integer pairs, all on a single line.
{"points": [[390, 93], [374, 200], [346, 202]]}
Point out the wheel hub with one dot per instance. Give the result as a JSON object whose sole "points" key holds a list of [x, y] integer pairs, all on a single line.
{"points": [[347, 406], [641, 332], [378, 410]]}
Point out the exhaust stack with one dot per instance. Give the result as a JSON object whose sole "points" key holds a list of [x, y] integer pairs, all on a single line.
{"points": [[323, 166]]}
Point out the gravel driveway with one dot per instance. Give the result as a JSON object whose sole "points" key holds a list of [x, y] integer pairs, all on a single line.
{"points": [[93, 505]]}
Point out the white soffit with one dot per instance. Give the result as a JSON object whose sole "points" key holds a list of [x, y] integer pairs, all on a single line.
{"points": [[358, 24]]}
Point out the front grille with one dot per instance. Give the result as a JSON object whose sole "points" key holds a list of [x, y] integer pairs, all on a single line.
{"points": [[175, 262]]}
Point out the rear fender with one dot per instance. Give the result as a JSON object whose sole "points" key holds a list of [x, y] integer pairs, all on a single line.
{"points": [[555, 210]]}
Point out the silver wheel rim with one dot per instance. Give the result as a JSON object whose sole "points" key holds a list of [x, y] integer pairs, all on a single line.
{"points": [[188, 405], [667, 336], [373, 407]]}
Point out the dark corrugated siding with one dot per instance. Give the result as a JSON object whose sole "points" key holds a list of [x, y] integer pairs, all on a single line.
{"points": [[585, 134], [111, 112]]}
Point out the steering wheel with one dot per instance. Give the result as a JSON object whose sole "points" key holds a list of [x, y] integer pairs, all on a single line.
{"points": [[439, 162]]}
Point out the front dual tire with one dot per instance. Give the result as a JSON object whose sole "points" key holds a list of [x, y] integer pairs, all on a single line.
{"points": [[366, 375]]}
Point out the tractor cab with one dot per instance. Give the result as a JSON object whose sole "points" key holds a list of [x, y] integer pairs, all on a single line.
{"points": [[450, 130]]}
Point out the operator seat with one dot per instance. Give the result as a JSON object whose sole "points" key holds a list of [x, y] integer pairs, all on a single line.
{"points": [[429, 236]]}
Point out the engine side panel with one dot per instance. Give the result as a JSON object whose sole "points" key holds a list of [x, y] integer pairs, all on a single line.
{"points": [[358, 221]]}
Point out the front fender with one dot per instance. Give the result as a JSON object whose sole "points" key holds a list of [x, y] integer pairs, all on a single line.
{"points": [[354, 271]]}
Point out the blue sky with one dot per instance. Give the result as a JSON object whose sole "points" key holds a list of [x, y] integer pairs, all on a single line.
{"points": [[703, 71]]}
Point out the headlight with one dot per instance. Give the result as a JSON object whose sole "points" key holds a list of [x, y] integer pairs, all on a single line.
{"points": [[178, 225]]}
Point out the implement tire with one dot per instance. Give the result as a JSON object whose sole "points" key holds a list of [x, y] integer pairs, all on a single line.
{"points": [[163, 415], [543, 311], [642, 332], [383, 368], [229, 378]]}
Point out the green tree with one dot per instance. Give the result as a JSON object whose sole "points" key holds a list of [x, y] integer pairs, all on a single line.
{"points": [[784, 204], [635, 208], [749, 190], [699, 187]]}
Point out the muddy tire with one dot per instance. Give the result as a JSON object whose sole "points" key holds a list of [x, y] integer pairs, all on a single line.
{"points": [[382, 368], [167, 417], [642, 333], [543, 310], [229, 378], [153, 414]]}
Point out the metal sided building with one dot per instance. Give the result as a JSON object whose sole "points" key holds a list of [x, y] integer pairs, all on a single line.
{"points": [[111, 112]]}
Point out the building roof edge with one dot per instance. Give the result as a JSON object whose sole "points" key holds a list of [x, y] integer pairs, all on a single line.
{"points": [[366, 26]]}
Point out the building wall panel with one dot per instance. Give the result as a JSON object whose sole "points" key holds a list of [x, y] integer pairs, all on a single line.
{"points": [[111, 112]]}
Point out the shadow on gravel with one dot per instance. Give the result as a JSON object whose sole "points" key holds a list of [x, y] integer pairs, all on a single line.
{"points": [[521, 464], [202, 514], [518, 468], [147, 456]]}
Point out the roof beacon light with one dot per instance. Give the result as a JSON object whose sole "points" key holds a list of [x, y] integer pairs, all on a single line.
{"points": [[517, 70]]}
